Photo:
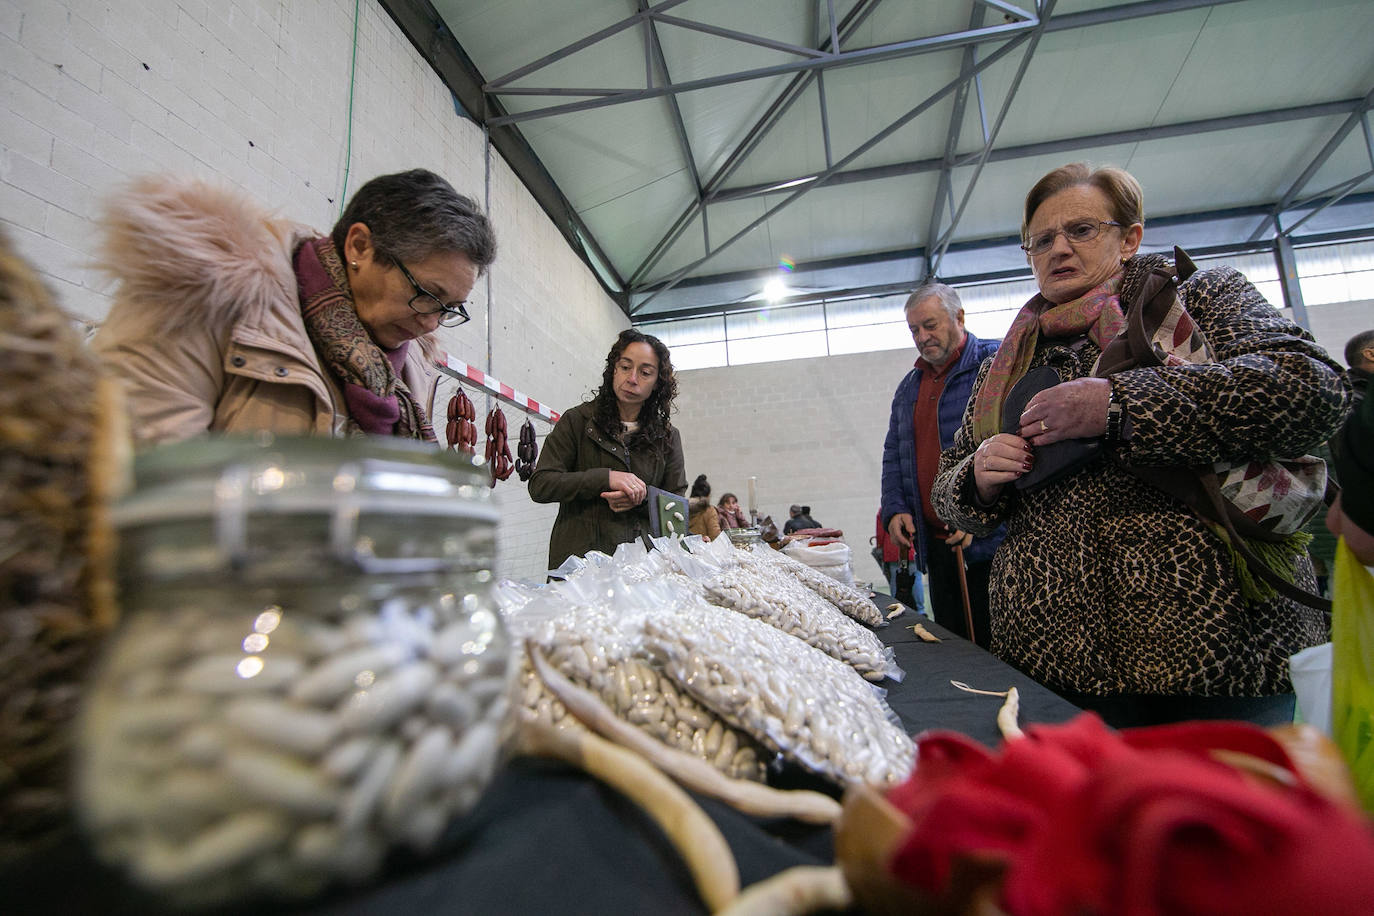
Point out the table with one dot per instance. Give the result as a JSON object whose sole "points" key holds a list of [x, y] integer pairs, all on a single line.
{"points": [[547, 839]]}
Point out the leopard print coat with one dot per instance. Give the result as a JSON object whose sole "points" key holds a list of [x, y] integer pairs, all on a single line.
{"points": [[1105, 585]]}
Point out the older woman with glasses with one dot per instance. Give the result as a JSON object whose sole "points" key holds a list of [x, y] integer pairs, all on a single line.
{"points": [[228, 319], [1108, 590]]}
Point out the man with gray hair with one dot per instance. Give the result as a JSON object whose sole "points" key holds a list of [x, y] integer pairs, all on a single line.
{"points": [[927, 409]]}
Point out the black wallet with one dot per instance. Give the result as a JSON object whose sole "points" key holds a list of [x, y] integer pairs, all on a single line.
{"points": [[1056, 460]]}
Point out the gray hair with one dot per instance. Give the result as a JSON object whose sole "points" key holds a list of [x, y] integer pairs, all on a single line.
{"points": [[942, 291], [411, 215]]}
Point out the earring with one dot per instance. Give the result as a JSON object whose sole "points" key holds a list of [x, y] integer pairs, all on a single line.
{"points": [[1123, 261], [354, 264]]}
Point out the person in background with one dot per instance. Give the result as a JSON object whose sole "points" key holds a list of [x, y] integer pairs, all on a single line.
{"points": [[1351, 516], [890, 559], [1359, 356], [730, 513], [926, 411], [1111, 592], [800, 519], [603, 455], [228, 319], [702, 518]]}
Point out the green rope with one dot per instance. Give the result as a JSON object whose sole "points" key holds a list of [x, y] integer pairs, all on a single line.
{"points": [[352, 76], [1281, 557]]}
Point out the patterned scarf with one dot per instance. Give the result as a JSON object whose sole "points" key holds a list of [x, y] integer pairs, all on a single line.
{"points": [[1097, 312], [378, 401]]}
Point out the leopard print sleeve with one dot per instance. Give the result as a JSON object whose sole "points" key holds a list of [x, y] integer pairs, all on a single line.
{"points": [[1272, 392], [952, 495]]}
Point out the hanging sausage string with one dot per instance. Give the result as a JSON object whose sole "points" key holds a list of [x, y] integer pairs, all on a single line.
{"points": [[461, 430]]}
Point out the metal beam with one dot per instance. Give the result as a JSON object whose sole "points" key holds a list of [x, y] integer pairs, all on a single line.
{"points": [[1067, 144], [1109, 14], [1331, 196], [427, 32], [654, 50], [956, 122], [1002, 242], [1047, 9], [757, 131], [1317, 162], [863, 148], [587, 41], [1288, 281], [874, 54], [735, 35]]}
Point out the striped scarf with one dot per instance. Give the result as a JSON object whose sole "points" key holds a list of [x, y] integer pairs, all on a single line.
{"points": [[378, 401], [1097, 312]]}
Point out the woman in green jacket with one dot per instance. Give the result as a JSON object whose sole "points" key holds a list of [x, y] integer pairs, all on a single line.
{"points": [[604, 454]]}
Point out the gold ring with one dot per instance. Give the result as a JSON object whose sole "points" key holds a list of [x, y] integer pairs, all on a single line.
{"points": [[1043, 427]]}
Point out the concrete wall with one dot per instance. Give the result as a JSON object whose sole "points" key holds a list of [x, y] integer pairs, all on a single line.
{"points": [[255, 93]]}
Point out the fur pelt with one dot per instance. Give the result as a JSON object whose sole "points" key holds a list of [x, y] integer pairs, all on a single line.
{"points": [[188, 251]]}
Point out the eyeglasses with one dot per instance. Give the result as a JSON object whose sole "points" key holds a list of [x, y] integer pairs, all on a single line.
{"points": [[1076, 232], [450, 314]]}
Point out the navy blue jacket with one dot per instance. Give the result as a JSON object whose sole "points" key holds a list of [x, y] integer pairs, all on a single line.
{"points": [[899, 449]]}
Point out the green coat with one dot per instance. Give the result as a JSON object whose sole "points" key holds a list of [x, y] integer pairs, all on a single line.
{"points": [[574, 469]]}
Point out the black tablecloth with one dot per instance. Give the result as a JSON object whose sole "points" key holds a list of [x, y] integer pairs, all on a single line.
{"points": [[547, 839]]}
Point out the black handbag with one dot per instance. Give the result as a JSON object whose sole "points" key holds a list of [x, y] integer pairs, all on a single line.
{"points": [[1057, 459]]}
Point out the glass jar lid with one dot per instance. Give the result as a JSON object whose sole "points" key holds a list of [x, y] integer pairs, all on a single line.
{"points": [[383, 505]]}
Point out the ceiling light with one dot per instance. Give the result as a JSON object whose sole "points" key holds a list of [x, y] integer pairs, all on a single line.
{"points": [[775, 289]]}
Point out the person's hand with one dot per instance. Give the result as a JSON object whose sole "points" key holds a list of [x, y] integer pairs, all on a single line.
{"points": [[901, 528], [619, 502], [959, 539], [998, 461], [1070, 410], [629, 485]]}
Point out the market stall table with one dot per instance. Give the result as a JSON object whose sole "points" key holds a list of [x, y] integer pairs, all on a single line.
{"points": [[548, 839]]}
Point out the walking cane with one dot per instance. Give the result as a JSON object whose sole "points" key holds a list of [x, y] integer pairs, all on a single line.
{"points": [[963, 589]]}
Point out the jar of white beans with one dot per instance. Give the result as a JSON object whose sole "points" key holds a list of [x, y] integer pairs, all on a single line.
{"points": [[308, 672]]}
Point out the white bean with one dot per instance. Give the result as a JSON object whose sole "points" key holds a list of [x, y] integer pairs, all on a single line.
{"points": [[418, 775], [388, 699], [234, 840], [273, 722], [281, 780], [336, 676], [356, 810]]}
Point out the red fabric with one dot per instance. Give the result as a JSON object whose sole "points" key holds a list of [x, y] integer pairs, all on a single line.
{"points": [[818, 533], [891, 552], [926, 428], [1144, 822]]}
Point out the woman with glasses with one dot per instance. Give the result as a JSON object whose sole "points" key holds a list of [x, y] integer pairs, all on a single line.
{"points": [[1107, 590], [606, 454], [229, 319]]}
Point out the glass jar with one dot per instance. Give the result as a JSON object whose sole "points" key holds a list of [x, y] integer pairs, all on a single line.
{"points": [[309, 669]]}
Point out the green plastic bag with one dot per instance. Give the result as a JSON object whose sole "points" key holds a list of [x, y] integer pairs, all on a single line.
{"points": [[1352, 669]]}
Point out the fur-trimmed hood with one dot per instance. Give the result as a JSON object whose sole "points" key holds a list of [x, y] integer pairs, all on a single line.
{"points": [[189, 251]]}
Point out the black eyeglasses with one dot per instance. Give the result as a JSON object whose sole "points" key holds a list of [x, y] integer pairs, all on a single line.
{"points": [[1077, 232], [450, 314]]}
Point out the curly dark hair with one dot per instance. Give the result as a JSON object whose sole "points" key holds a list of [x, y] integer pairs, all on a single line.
{"points": [[654, 422]]}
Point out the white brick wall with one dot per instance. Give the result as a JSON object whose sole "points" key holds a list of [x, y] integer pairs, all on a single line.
{"points": [[810, 430], [255, 93]]}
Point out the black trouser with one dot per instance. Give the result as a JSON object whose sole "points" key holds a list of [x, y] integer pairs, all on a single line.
{"points": [[946, 599]]}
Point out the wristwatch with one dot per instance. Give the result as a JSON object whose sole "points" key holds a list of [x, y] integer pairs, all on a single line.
{"points": [[1115, 414]]}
